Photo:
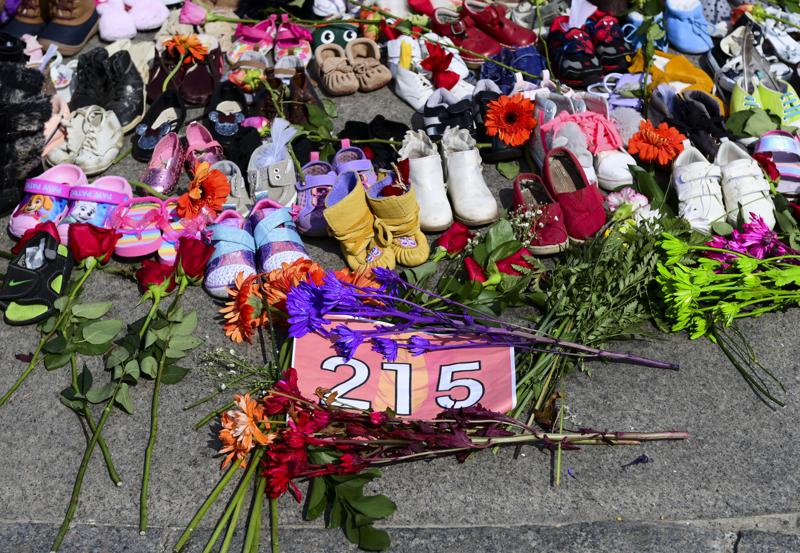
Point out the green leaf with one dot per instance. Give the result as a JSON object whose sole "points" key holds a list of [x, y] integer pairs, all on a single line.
{"points": [[186, 326], [316, 499], [376, 506], [48, 325], [173, 374], [85, 348], [99, 395], [500, 233], [57, 344], [117, 356], [335, 516], [92, 310], [330, 108], [54, 361], [504, 250], [373, 539], [101, 332], [422, 272], [85, 380], [509, 169], [132, 369], [123, 399], [175, 353], [149, 366], [350, 529], [184, 343], [480, 253], [149, 338], [722, 228], [60, 303], [317, 117]]}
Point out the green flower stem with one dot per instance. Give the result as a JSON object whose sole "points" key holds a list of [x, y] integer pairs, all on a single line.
{"points": [[212, 17], [273, 525], [149, 189], [215, 393], [237, 498], [87, 455], [201, 512], [251, 539], [561, 431], [151, 443], [87, 414], [202, 422], [122, 156], [59, 321], [226, 542], [6, 255], [546, 53], [173, 73], [150, 315]]}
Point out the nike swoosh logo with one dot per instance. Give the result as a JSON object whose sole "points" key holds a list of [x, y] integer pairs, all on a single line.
{"points": [[17, 282]]}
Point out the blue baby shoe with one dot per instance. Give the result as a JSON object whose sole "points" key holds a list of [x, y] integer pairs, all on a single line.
{"points": [[687, 28], [634, 33], [526, 59]]}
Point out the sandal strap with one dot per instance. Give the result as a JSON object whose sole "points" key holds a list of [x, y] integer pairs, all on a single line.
{"points": [[269, 229], [47, 188], [98, 195], [229, 239]]}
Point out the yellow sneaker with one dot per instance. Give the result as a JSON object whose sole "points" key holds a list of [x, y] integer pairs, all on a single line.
{"points": [[782, 102]]}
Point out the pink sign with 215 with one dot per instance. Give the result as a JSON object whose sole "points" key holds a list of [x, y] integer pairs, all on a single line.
{"points": [[414, 386]]}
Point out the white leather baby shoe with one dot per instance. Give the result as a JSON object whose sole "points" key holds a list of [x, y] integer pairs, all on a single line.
{"points": [[473, 202], [425, 174]]}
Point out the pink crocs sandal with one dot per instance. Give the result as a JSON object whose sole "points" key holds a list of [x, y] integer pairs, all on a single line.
{"points": [[173, 228], [201, 147], [95, 203], [46, 198], [256, 38], [139, 221]]}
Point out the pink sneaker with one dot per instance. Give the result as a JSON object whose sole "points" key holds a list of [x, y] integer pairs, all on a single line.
{"points": [[46, 198], [95, 203], [275, 235]]}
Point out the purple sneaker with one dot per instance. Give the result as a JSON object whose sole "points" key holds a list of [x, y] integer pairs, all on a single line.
{"points": [[234, 253], [352, 158], [318, 179], [275, 235], [164, 168]]}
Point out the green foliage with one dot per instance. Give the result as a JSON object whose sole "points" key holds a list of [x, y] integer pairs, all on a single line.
{"points": [[342, 497], [509, 169]]}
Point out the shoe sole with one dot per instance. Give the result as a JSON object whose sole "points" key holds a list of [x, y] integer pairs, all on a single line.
{"points": [[440, 228], [71, 50], [549, 250], [480, 223]]}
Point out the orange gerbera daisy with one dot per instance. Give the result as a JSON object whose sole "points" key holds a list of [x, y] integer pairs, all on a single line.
{"points": [[243, 311], [361, 277], [240, 429], [511, 119], [277, 283], [189, 47], [207, 193], [661, 144]]}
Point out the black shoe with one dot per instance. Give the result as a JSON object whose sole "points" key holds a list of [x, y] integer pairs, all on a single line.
{"points": [[165, 115], [698, 116], [485, 92], [93, 86], [574, 61], [12, 49], [225, 112], [444, 110], [126, 97]]}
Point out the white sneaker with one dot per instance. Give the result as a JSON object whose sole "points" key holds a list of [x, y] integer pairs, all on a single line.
{"points": [[743, 184], [697, 183], [427, 178], [613, 169], [102, 142], [67, 151], [473, 202], [393, 52], [412, 88]]}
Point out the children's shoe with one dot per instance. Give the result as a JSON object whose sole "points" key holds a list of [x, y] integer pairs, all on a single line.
{"points": [[413, 88], [115, 23], [784, 149], [200, 147], [253, 38], [95, 203], [238, 199], [318, 180], [473, 202], [581, 202], [45, 198], [426, 176], [271, 171], [548, 234], [395, 208], [71, 26], [292, 40], [527, 60], [35, 279], [148, 15], [336, 73], [275, 236], [744, 186], [782, 101], [234, 253], [164, 116], [746, 95], [697, 183], [575, 62], [351, 158], [486, 91], [352, 223], [634, 33], [457, 63], [94, 140], [443, 109], [492, 20], [364, 56], [466, 35], [226, 111], [139, 222], [687, 28], [781, 42], [174, 227], [609, 44], [164, 168]]}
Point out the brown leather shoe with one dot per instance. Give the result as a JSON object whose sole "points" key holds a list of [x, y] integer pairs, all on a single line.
{"points": [[262, 99], [72, 24], [301, 92], [28, 20], [195, 82]]}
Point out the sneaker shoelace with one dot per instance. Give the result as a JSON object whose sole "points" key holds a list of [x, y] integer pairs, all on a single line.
{"points": [[791, 104]]}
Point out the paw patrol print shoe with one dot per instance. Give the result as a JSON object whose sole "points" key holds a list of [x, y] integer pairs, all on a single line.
{"points": [[352, 223], [225, 113], [45, 198], [95, 203]]}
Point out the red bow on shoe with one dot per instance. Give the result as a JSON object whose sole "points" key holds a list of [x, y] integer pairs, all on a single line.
{"points": [[438, 63]]}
